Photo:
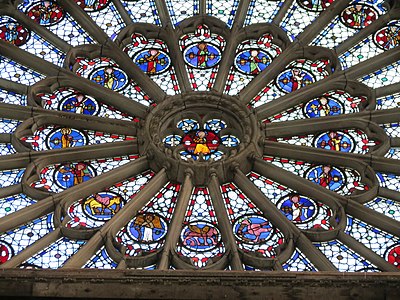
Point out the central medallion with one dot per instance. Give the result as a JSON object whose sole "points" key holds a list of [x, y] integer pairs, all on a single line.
{"points": [[200, 132]]}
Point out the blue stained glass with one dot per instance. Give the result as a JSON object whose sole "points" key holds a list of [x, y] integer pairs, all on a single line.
{"points": [[252, 61], [14, 203], [10, 177], [299, 263], [101, 260], [144, 11], [55, 255], [202, 55], [262, 11]]}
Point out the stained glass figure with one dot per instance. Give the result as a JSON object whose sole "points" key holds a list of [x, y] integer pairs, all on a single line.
{"points": [[151, 55], [253, 231], [296, 76], [358, 15], [46, 13], [252, 57], [93, 211], [14, 33], [202, 52], [147, 230], [200, 238]]}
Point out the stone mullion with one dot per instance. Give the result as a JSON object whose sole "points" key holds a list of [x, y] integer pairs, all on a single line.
{"points": [[279, 220], [42, 31], [118, 221], [296, 127], [367, 253], [32, 249], [10, 190], [311, 31], [177, 60], [373, 64], [230, 49], [389, 194], [12, 86], [224, 223], [174, 48], [80, 191], [178, 218], [226, 62], [202, 7], [122, 12], [240, 16], [163, 13], [85, 21], [269, 74], [362, 34], [388, 90], [16, 112], [28, 59], [282, 12], [373, 217], [22, 160]]}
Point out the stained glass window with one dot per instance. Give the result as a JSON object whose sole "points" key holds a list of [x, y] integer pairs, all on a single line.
{"points": [[256, 135]]}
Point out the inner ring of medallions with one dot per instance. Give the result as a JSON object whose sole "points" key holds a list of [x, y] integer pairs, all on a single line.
{"points": [[201, 132]]}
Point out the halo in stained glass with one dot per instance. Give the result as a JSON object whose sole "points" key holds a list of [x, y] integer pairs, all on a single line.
{"points": [[200, 140]]}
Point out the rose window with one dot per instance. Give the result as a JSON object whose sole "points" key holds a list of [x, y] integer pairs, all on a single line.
{"points": [[217, 135]]}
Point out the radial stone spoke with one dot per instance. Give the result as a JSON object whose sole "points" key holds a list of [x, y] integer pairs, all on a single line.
{"points": [[172, 237], [223, 221]]}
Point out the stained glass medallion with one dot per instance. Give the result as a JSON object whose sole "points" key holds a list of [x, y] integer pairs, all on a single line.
{"points": [[222, 135]]}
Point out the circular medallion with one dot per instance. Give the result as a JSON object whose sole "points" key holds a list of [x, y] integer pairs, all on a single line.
{"points": [[230, 141], [46, 13], [172, 140], [64, 137], [14, 33], [68, 175], [110, 77], [6, 252], [315, 5], [147, 228], [201, 141], [102, 206], [252, 61], [215, 125], [393, 256], [358, 16], [187, 125], [298, 209], [326, 176], [322, 107], [389, 36], [252, 229], [79, 104], [335, 140], [292, 79], [152, 61], [92, 5], [200, 236], [202, 55]]}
